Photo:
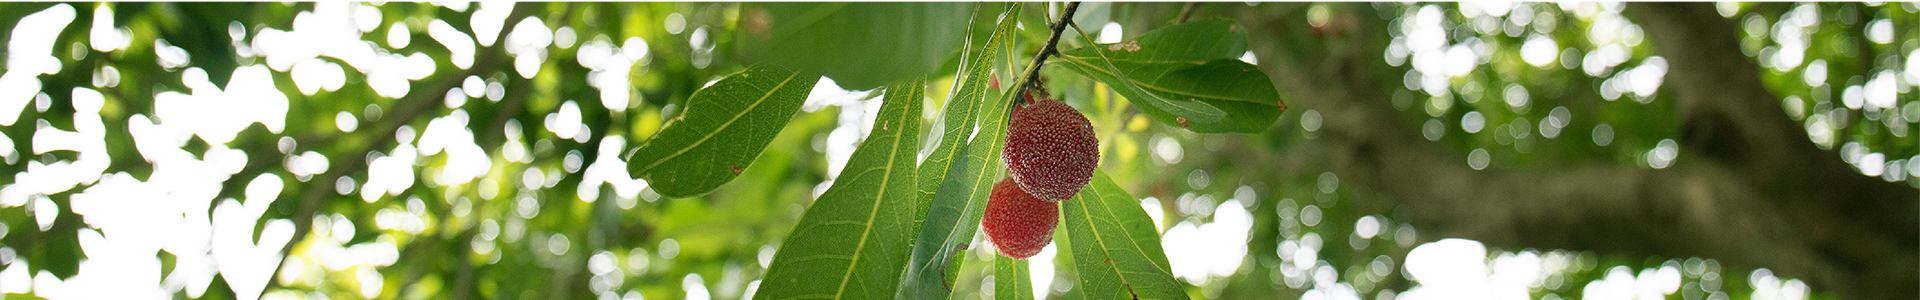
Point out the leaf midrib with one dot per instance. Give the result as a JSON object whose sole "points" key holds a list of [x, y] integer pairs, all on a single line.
{"points": [[1142, 61], [973, 193], [878, 198], [722, 127], [1078, 61], [965, 126], [1101, 240], [1184, 108], [1103, 243]]}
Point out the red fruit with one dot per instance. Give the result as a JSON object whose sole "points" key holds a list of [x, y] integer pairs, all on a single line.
{"points": [[1017, 223], [1050, 150]]}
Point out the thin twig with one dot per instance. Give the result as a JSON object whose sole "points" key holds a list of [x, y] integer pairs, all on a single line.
{"points": [[1187, 12], [1053, 41]]}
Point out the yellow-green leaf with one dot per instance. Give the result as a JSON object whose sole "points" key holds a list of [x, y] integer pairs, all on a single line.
{"points": [[853, 242], [1115, 248], [1010, 279], [724, 128]]}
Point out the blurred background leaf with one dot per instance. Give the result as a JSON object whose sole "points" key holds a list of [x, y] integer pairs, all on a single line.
{"points": [[851, 42], [461, 150]]}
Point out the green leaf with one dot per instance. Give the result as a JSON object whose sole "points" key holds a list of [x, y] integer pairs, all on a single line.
{"points": [[986, 17], [959, 115], [1010, 279], [1188, 71], [852, 242], [958, 262], [724, 128], [1195, 41], [859, 45], [955, 178], [1115, 248]]}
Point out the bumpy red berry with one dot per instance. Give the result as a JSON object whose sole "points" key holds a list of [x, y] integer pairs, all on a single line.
{"points": [[1017, 223], [1050, 149]]}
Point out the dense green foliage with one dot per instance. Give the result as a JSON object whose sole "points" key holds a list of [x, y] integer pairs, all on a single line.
{"points": [[846, 150]]}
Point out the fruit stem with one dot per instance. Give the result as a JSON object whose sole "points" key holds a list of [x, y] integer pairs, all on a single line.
{"points": [[1053, 41]]}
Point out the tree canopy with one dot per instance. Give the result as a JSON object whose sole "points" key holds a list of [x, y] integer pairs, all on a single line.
{"points": [[504, 150]]}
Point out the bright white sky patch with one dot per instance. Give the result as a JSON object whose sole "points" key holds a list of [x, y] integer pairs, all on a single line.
{"points": [[399, 36], [390, 175], [314, 75], [1111, 33], [216, 115], [609, 68], [16, 90], [1881, 90], [565, 122], [457, 43], [465, 160], [1210, 250], [29, 54], [30, 47], [105, 37], [1539, 50], [1646, 78], [1880, 31], [609, 169], [528, 44], [486, 22]]}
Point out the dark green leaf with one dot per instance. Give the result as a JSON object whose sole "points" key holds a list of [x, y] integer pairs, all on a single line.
{"points": [[859, 45], [958, 261], [1115, 248], [1187, 75], [1010, 279], [986, 17], [958, 175], [724, 128], [852, 242]]}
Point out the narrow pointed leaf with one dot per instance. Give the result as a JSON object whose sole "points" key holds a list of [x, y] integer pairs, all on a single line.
{"points": [[959, 115], [1115, 248], [954, 181], [1188, 75], [852, 243], [1010, 279], [724, 128]]}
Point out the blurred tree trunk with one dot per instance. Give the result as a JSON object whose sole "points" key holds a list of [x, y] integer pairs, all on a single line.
{"points": [[1750, 188]]}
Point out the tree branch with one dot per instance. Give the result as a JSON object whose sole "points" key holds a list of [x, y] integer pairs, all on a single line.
{"points": [[1032, 78], [1861, 227], [1752, 190], [1186, 12]]}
